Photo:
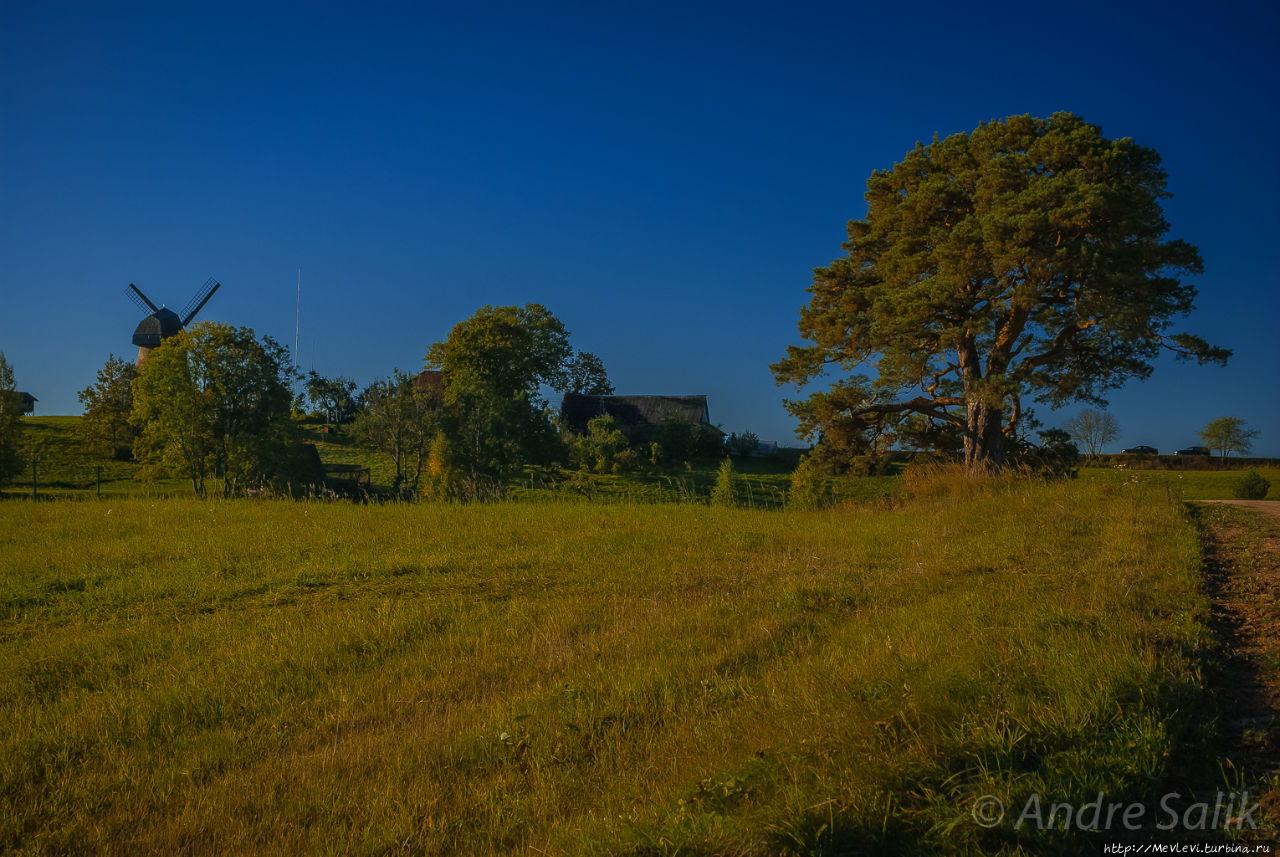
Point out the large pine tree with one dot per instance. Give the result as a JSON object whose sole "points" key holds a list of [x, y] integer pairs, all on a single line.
{"points": [[1024, 260]]}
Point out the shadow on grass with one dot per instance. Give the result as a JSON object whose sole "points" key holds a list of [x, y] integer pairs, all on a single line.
{"points": [[1245, 741]]}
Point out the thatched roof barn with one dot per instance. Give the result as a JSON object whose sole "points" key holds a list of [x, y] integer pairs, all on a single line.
{"points": [[577, 409]]}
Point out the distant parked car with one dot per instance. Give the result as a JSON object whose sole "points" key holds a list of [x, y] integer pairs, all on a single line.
{"points": [[1193, 450], [1140, 450]]}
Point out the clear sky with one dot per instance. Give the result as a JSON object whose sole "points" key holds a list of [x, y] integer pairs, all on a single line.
{"points": [[663, 177]]}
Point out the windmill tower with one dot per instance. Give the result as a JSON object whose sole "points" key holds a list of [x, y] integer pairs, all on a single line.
{"points": [[164, 322]]}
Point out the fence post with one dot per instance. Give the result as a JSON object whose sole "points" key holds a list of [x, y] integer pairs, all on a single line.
{"points": [[99, 468], [35, 491]]}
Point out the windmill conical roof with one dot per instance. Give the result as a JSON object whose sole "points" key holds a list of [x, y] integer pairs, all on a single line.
{"points": [[158, 326]]}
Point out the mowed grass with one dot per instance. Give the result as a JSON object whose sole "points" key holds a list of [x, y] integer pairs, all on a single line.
{"points": [[279, 678], [1186, 484]]}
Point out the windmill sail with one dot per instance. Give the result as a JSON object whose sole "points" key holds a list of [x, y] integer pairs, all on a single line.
{"points": [[199, 300], [144, 303]]}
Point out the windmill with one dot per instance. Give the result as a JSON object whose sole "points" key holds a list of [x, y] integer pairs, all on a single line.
{"points": [[164, 322]]}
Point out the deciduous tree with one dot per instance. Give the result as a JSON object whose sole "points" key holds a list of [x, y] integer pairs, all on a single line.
{"points": [[334, 398], [1093, 429], [214, 400], [108, 404], [743, 445], [10, 423], [1024, 260], [401, 419], [1228, 435], [585, 374], [492, 366]]}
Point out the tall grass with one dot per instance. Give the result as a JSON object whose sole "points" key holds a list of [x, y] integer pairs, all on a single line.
{"points": [[277, 678]]}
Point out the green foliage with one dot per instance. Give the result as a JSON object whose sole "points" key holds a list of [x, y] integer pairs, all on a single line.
{"points": [[742, 445], [829, 418], [10, 423], [401, 418], [920, 432], [492, 365], [725, 492], [1254, 486], [1093, 429], [333, 398], [1228, 435], [213, 400], [1055, 456], [1023, 260], [604, 448], [585, 373], [808, 484], [108, 404], [678, 442]]}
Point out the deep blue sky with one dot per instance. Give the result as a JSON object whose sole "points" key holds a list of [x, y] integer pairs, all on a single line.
{"points": [[663, 177]]}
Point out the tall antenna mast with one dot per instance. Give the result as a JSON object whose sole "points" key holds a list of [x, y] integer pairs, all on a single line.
{"points": [[297, 319]]}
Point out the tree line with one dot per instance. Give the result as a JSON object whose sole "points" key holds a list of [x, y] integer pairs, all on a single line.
{"points": [[1026, 262], [214, 404]]}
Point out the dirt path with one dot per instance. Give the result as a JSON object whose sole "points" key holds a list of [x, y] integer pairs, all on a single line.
{"points": [[1242, 575]]}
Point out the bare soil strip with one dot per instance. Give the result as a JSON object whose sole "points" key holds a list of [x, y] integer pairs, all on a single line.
{"points": [[1242, 561]]}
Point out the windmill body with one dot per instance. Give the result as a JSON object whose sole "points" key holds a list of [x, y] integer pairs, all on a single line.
{"points": [[164, 322]]}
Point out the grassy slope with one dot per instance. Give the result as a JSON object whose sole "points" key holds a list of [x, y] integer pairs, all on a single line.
{"points": [[66, 468], [580, 679]]}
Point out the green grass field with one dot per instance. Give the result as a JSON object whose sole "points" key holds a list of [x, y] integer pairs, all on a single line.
{"points": [[1188, 484], [570, 678]]}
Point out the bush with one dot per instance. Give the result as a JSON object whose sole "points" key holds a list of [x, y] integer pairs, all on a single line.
{"points": [[678, 441], [604, 448], [1254, 486], [808, 483], [742, 445], [725, 493], [1056, 457]]}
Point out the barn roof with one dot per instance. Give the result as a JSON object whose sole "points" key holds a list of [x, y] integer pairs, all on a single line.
{"points": [[578, 408]]}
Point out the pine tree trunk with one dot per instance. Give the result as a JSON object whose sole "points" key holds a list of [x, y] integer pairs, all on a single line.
{"points": [[983, 439]]}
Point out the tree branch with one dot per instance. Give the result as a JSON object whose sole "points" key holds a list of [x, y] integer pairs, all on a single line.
{"points": [[920, 405]]}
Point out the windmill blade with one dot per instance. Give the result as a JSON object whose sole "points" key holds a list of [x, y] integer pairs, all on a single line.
{"points": [[144, 303], [199, 300]]}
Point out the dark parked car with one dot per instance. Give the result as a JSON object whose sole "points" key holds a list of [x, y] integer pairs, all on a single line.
{"points": [[1193, 450], [1140, 450]]}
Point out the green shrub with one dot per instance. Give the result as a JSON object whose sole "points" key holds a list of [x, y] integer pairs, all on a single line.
{"points": [[678, 441], [1253, 486], [1055, 457], [604, 448], [808, 483], [742, 445], [725, 492]]}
